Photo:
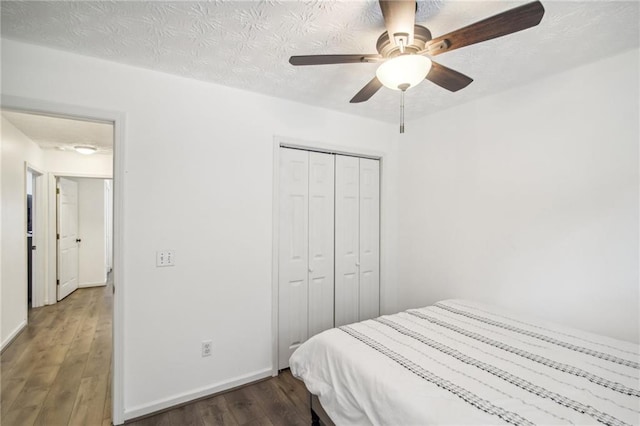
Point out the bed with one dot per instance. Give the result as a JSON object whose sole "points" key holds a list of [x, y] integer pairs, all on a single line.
{"points": [[462, 362]]}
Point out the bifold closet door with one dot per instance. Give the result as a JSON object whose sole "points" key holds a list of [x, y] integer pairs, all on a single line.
{"points": [[369, 295], [306, 228], [293, 257], [357, 244], [347, 246], [321, 232]]}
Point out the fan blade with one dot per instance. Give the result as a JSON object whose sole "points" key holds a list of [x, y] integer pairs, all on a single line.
{"points": [[511, 21], [399, 18], [447, 78], [332, 59], [367, 91]]}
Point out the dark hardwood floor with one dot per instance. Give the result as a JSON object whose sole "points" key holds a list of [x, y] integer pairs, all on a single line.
{"points": [[280, 400], [58, 372]]}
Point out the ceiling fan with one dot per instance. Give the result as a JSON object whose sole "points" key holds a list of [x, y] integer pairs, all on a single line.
{"points": [[405, 48]]}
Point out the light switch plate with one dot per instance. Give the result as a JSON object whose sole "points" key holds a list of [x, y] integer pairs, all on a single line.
{"points": [[165, 258]]}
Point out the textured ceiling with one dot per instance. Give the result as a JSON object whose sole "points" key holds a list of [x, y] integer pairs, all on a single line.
{"points": [[246, 44], [62, 133]]}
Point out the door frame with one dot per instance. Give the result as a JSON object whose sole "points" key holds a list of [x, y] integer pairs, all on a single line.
{"points": [[52, 285], [118, 119], [283, 141], [39, 256]]}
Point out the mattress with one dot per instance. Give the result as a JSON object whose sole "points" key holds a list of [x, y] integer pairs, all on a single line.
{"points": [[461, 362]]}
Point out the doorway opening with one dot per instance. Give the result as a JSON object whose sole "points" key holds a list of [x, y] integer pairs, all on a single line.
{"points": [[49, 139], [83, 233]]}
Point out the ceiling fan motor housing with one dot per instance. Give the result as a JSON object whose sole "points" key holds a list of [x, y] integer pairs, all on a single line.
{"points": [[388, 49]]}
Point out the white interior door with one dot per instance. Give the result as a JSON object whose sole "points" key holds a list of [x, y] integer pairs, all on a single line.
{"points": [[347, 194], [68, 237], [293, 255], [321, 202], [369, 239]]}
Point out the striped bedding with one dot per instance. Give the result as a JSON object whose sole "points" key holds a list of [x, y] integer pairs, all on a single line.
{"points": [[461, 362]]}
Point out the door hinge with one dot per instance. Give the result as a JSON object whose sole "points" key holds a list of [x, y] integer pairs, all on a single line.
{"points": [[57, 236], [57, 282], [57, 190]]}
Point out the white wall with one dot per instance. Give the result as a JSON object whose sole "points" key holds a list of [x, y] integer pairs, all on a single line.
{"points": [[16, 150], [199, 180], [70, 163], [529, 199], [91, 230]]}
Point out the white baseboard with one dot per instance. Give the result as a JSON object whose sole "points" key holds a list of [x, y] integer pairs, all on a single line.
{"points": [[99, 284], [12, 336], [143, 410]]}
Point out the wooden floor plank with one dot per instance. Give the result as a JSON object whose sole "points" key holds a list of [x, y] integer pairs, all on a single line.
{"points": [[294, 390], [57, 407], [276, 405], [244, 406], [215, 411], [28, 403], [261, 421], [186, 415], [85, 334], [16, 349], [11, 388], [53, 355], [24, 416], [89, 404], [280, 406], [99, 359]]}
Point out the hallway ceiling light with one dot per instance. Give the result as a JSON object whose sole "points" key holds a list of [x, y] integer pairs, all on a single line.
{"points": [[85, 149]]}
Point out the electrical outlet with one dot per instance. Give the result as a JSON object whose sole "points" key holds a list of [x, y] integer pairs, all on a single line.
{"points": [[207, 348], [165, 258]]}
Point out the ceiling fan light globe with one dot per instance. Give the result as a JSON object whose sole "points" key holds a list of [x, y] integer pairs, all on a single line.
{"points": [[403, 70]]}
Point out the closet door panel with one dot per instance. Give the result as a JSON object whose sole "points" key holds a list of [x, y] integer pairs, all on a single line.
{"points": [[293, 281], [347, 242], [321, 208], [369, 296]]}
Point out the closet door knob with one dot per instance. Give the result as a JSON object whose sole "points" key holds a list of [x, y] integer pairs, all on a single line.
{"points": [[310, 271], [358, 264]]}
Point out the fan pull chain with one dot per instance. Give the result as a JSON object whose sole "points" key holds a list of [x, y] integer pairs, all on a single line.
{"points": [[403, 88]]}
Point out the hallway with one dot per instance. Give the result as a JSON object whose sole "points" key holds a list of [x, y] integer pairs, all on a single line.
{"points": [[58, 370]]}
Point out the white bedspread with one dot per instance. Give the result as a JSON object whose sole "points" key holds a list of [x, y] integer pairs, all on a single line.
{"points": [[460, 362]]}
